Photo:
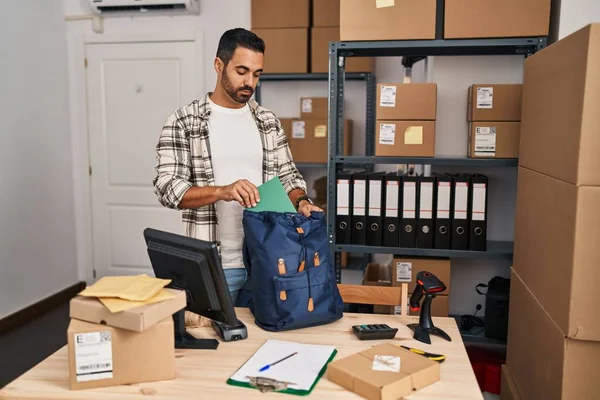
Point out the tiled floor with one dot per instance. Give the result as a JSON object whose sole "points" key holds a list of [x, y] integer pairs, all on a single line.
{"points": [[26, 346]]}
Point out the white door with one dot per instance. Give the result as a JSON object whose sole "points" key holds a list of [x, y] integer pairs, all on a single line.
{"points": [[131, 89]]}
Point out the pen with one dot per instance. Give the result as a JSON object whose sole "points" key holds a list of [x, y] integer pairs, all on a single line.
{"points": [[266, 367]]}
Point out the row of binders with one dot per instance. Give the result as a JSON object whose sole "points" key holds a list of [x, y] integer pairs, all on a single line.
{"points": [[442, 211]]}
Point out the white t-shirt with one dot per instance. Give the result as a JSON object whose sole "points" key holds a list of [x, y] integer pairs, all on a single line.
{"points": [[236, 151]]}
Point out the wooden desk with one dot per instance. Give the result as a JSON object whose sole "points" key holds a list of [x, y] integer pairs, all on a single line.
{"points": [[201, 374]]}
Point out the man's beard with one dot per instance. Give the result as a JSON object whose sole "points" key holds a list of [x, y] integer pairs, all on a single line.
{"points": [[234, 93]]}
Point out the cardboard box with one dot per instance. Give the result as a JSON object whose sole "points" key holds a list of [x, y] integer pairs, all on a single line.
{"points": [[559, 130], [491, 18], [508, 389], [326, 13], [377, 275], [314, 108], [405, 270], [399, 20], [405, 138], [542, 362], [557, 226], [494, 139], [407, 101], [439, 308], [286, 50], [101, 355], [137, 319], [280, 14], [494, 102], [320, 38], [358, 373], [308, 139]]}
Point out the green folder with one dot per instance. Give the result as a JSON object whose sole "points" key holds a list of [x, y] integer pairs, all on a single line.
{"points": [[273, 197], [311, 363]]}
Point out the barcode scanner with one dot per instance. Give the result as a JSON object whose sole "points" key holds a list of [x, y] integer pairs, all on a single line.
{"points": [[427, 287]]}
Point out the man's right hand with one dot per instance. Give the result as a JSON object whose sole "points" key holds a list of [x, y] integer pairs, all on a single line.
{"points": [[242, 191]]}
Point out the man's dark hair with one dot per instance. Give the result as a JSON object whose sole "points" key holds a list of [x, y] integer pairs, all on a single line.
{"points": [[238, 37]]}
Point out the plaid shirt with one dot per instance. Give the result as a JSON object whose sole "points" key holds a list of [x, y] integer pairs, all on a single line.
{"points": [[184, 160]]}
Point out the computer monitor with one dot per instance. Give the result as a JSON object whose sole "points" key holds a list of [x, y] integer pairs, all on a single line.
{"points": [[194, 266]]}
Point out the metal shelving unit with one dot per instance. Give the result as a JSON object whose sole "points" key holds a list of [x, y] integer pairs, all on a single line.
{"points": [[412, 51], [356, 76]]}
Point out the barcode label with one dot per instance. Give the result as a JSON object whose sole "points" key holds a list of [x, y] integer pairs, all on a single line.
{"points": [[404, 272], [387, 96], [387, 134], [93, 356], [485, 97], [485, 141], [298, 130]]}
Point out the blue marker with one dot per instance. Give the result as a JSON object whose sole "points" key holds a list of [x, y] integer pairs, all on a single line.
{"points": [[266, 367]]}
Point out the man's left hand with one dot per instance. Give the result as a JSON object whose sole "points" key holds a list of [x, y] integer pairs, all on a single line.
{"points": [[306, 208]]}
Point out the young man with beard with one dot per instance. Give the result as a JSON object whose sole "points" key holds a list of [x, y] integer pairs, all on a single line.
{"points": [[213, 153]]}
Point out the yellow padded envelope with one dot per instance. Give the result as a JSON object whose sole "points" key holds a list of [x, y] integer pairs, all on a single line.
{"points": [[116, 305], [134, 288]]}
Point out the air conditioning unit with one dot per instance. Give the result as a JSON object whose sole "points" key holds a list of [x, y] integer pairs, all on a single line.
{"points": [[138, 7]]}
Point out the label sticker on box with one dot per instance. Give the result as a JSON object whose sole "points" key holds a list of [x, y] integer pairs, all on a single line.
{"points": [[321, 131], [384, 3], [485, 141], [387, 134], [93, 356], [413, 135], [386, 363], [298, 130], [306, 105], [388, 96], [404, 272], [485, 97], [397, 310]]}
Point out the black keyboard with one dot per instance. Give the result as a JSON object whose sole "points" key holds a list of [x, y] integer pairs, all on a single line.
{"points": [[374, 332]]}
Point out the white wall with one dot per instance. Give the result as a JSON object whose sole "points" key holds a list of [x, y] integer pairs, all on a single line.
{"points": [[215, 18], [37, 228], [575, 14]]}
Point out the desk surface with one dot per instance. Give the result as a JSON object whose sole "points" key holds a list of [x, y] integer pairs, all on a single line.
{"points": [[203, 373]]}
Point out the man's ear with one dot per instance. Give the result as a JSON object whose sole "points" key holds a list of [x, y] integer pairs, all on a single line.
{"points": [[219, 65]]}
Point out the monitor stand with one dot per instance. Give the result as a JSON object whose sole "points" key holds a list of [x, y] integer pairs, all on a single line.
{"points": [[184, 340]]}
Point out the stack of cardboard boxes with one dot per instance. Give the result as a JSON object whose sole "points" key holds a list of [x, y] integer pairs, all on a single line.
{"points": [[283, 25], [326, 28], [297, 35], [405, 270], [406, 115], [494, 115], [307, 136], [131, 346], [411, 20], [554, 329]]}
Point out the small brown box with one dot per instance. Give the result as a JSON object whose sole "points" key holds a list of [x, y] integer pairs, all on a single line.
{"points": [[286, 50], [308, 139], [320, 52], [405, 270], [405, 138], [557, 226], [101, 355], [377, 275], [492, 18], [494, 139], [326, 13], [407, 101], [544, 363], [403, 19], [138, 319], [361, 373], [559, 130], [314, 107], [280, 14], [495, 102]]}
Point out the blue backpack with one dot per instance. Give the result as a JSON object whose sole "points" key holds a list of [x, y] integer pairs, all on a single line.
{"points": [[288, 262]]}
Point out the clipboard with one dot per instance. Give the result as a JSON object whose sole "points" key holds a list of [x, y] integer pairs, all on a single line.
{"points": [[297, 375]]}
